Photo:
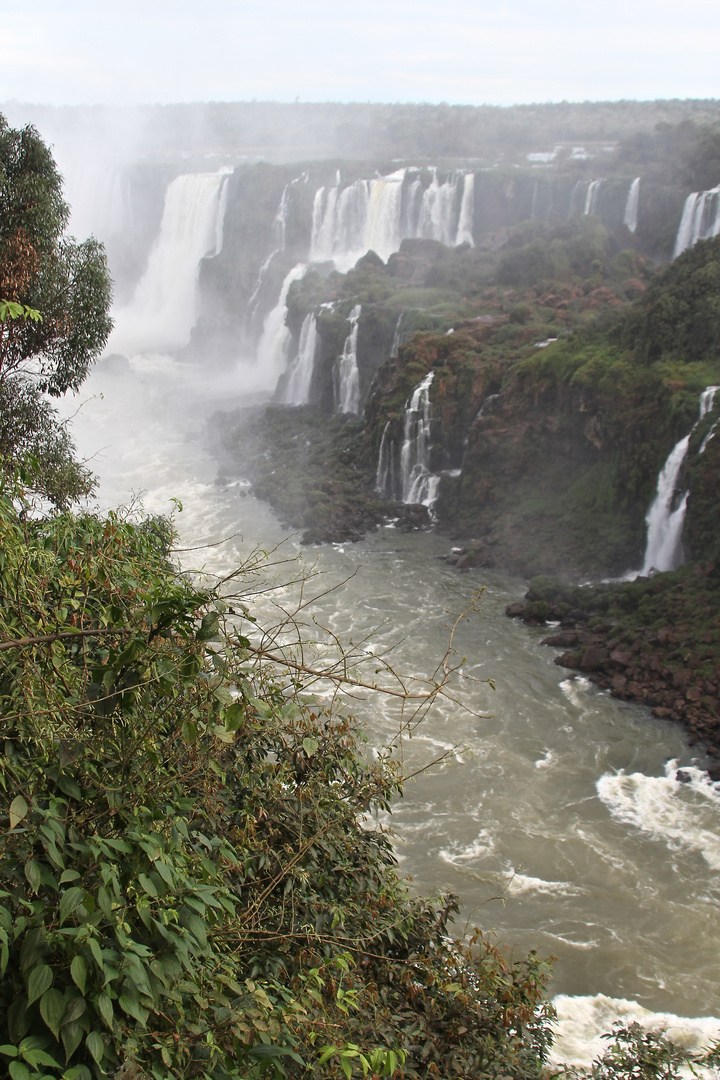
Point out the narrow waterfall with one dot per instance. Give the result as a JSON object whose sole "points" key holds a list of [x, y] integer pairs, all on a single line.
{"points": [[572, 210], [666, 516], [297, 387], [630, 217], [700, 219], [707, 400], [397, 336], [345, 375], [418, 484], [275, 338], [384, 475], [467, 211], [592, 197], [163, 310]]}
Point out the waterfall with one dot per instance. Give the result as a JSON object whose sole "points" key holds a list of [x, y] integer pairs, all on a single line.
{"points": [[707, 400], [275, 337], [385, 472], [467, 211], [573, 199], [297, 388], [397, 336], [417, 482], [666, 516], [345, 375], [630, 217], [592, 197], [700, 219], [382, 233], [437, 210], [163, 310]]}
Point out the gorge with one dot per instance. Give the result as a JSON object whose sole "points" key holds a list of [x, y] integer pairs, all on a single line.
{"points": [[493, 348]]}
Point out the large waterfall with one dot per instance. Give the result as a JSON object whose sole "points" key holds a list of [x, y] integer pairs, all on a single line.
{"points": [[418, 484], [346, 377], [700, 219], [630, 218], [666, 516], [592, 196], [163, 310]]}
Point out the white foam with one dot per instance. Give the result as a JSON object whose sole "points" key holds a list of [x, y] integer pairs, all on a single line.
{"points": [[582, 1021], [686, 815], [522, 884]]}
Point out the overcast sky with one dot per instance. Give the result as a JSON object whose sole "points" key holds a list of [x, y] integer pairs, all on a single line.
{"points": [[459, 51]]}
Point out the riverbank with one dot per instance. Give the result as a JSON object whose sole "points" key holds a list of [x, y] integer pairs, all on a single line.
{"points": [[654, 641]]}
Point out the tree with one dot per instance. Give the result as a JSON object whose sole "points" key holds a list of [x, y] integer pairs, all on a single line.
{"points": [[44, 271]]}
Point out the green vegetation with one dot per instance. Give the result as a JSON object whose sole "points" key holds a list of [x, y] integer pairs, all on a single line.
{"points": [[54, 303], [186, 879]]}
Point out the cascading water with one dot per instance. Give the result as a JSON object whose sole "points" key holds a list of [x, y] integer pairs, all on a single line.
{"points": [[630, 218], [467, 212], [666, 516], [397, 336], [346, 377], [437, 210], [273, 345], [418, 484], [297, 387], [700, 219], [592, 197], [386, 461], [163, 310]]}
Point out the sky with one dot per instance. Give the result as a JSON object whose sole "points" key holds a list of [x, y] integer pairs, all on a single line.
{"points": [[459, 51]]}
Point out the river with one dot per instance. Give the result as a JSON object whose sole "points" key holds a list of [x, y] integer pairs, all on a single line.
{"points": [[557, 814]]}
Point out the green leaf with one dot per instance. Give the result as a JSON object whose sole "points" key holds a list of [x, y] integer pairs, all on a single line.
{"points": [[105, 1008], [71, 1035], [310, 746], [189, 732], [70, 901], [78, 971], [18, 1071], [9, 1051], [18, 810], [97, 953], [69, 787], [68, 875], [96, 1046], [52, 1010], [147, 885], [41, 979], [32, 873]]}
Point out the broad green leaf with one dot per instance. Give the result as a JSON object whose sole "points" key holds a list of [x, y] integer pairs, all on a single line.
{"points": [[234, 716], [69, 787], [52, 1010], [310, 746], [32, 873], [147, 885], [105, 1008], [68, 875], [41, 979], [78, 971], [70, 901], [18, 1071], [95, 1045], [97, 953], [189, 732], [71, 1035], [18, 810], [9, 1051]]}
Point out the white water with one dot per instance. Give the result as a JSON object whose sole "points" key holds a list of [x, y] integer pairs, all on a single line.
{"points": [[163, 310], [346, 378], [384, 472], [592, 196], [666, 516], [300, 373], [700, 219], [467, 211], [418, 484], [272, 350], [630, 218]]}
